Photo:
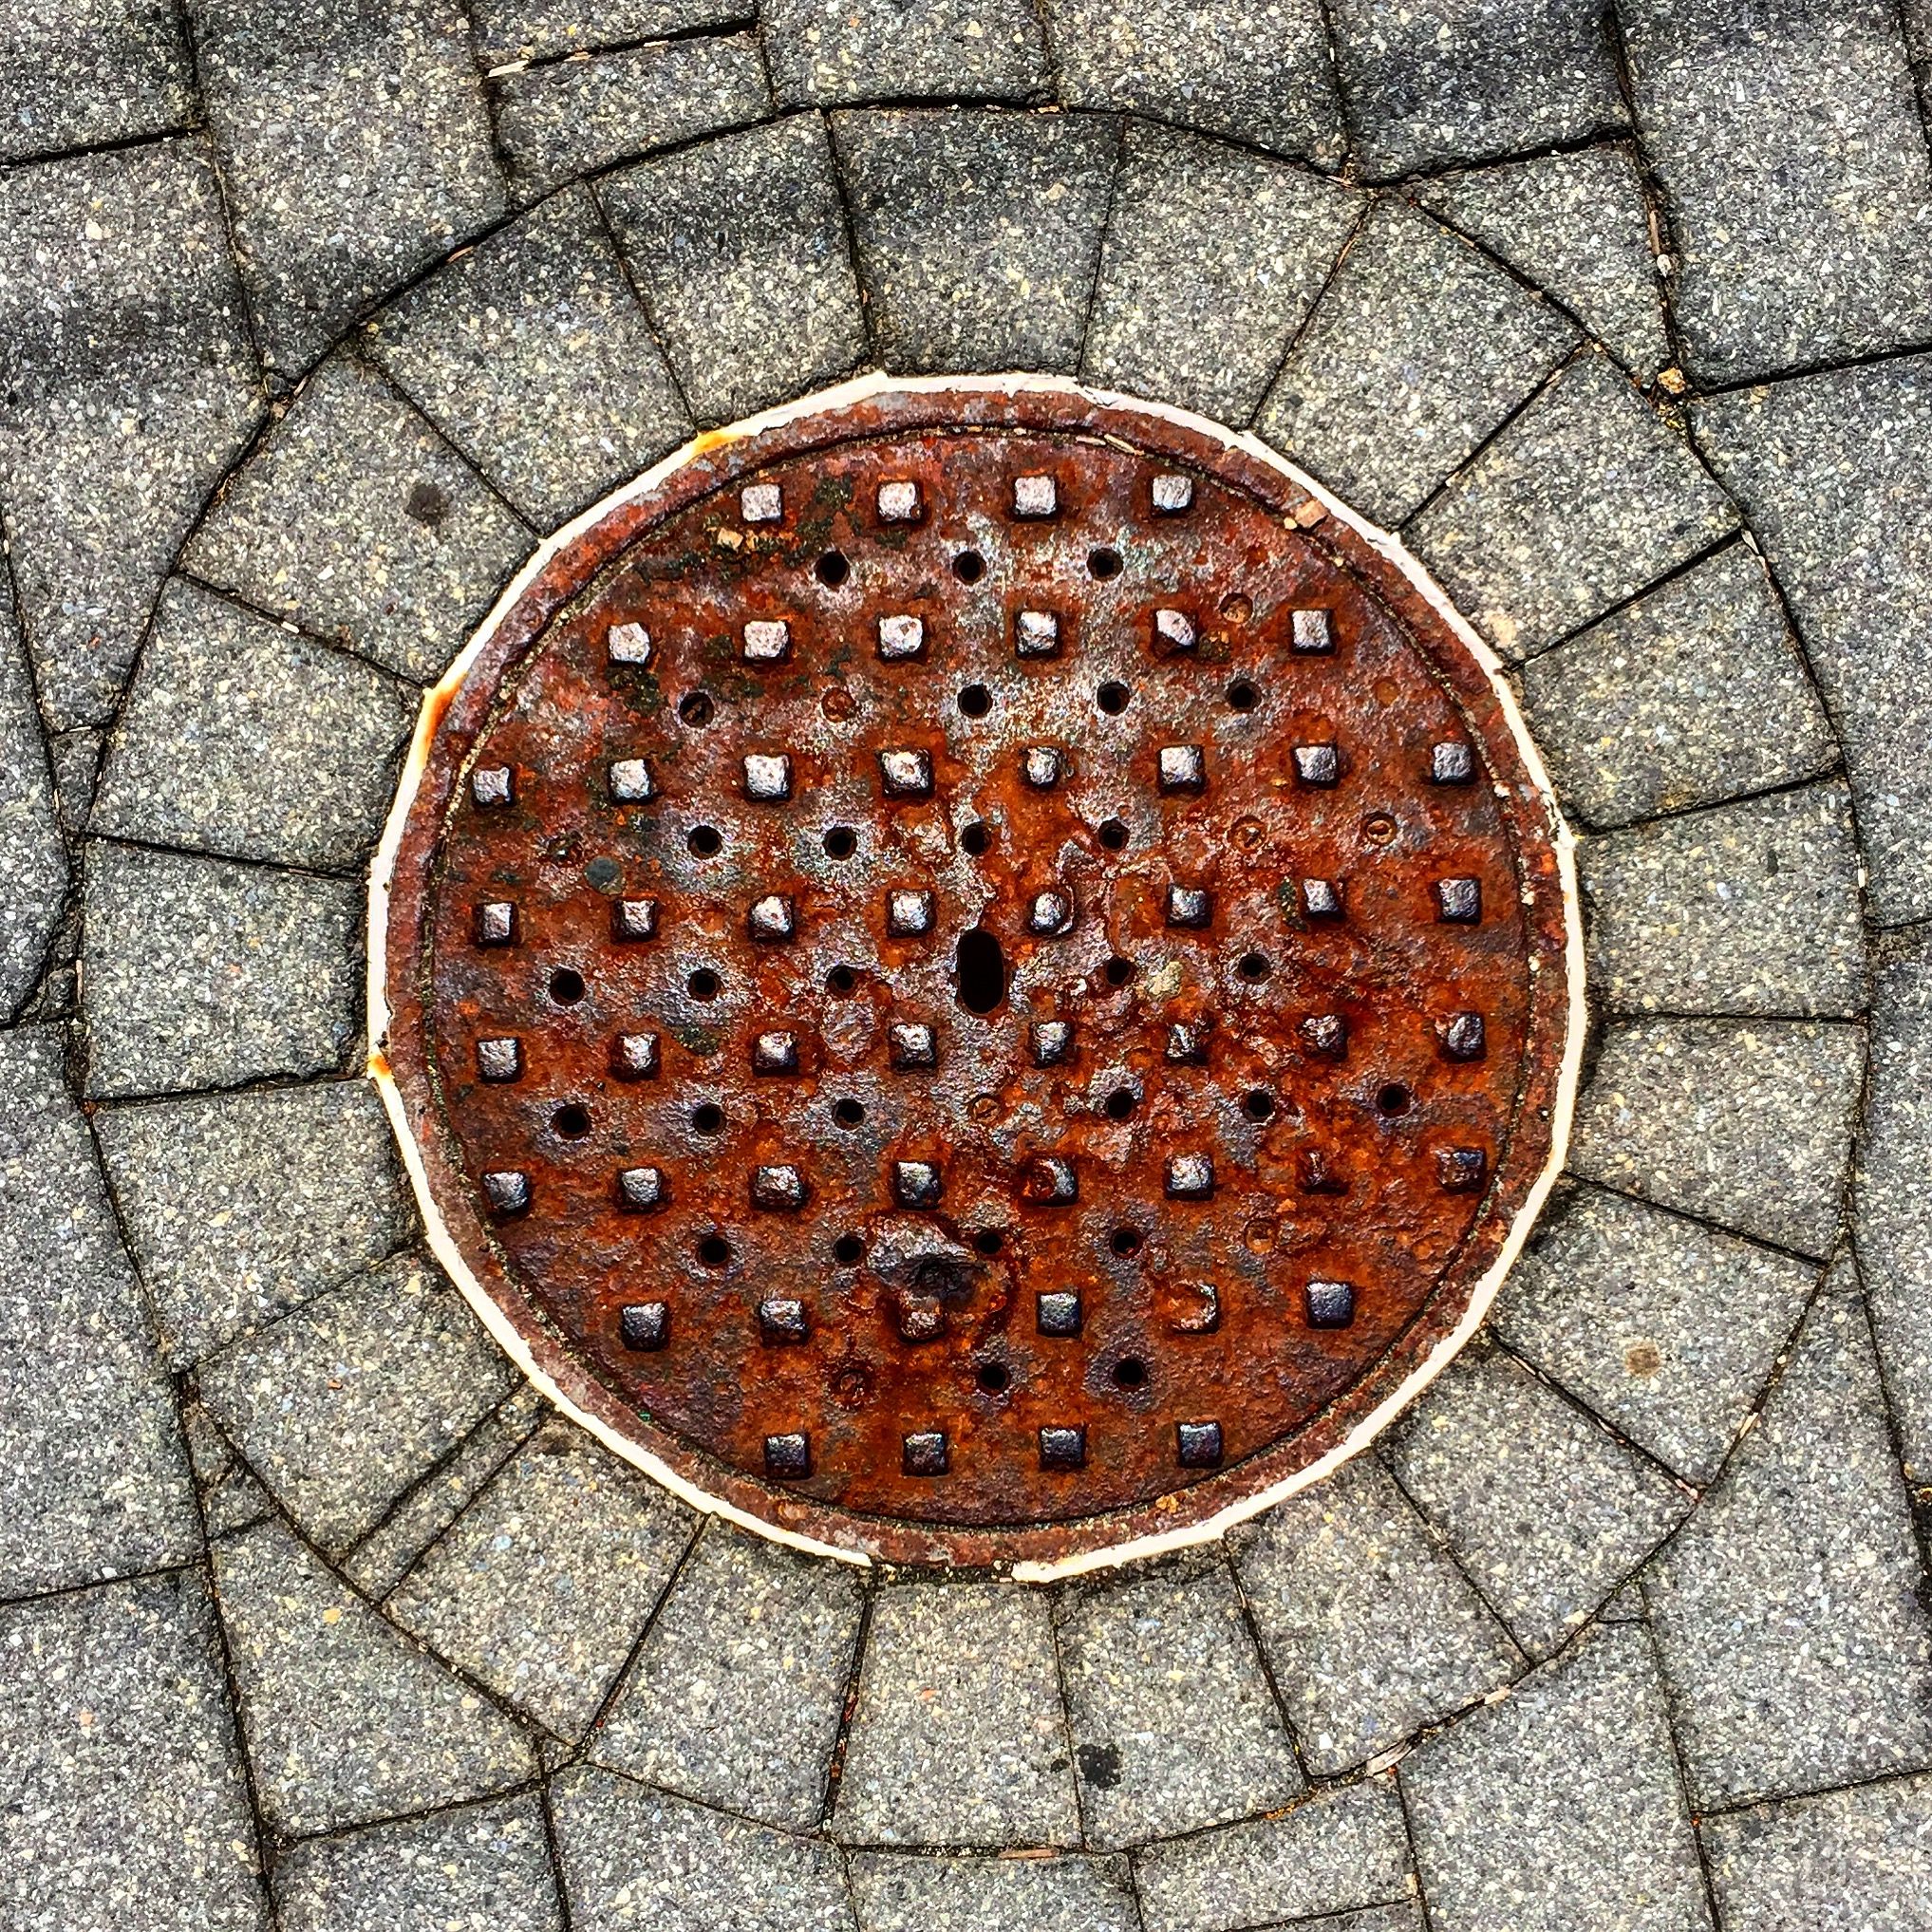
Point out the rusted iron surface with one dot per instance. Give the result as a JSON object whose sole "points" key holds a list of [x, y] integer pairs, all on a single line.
{"points": [[976, 975]]}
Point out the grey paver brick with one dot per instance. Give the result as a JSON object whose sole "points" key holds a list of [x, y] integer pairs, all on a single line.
{"points": [[1559, 1805], [635, 1860], [977, 233], [737, 1690], [346, 1721], [245, 739], [81, 73], [96, 1478], [1461, 81], [75, 756], [575, 117], [128, 386], [1743, 909], [481, 1866], [241, 1205], [1414, 354], [533, 30], [1174, 1726], [1339, 1851], [1796, 174], [33, 862], [1259, 74], [1855, 1861], [958, 1737], [1831, 472], [1693, 694], [824, 52], [355, 146], [1578, 226], [1587, 498], [126, 1810], [1207, 329], [542, 1585], [1744, 1122], [349, 1398], [359, 521], [532, 353], [740, 248], [1666, 1327], [1547, 1510], [903, 1893], [1797, 1650], [1372, 1631]]}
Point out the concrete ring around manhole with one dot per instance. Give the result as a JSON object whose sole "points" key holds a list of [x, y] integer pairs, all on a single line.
{"points": [[975, 972]]}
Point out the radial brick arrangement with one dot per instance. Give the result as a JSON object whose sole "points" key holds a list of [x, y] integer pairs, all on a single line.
{"points": [[789, 1007]]}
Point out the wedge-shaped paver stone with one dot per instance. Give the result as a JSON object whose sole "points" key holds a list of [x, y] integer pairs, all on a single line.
{"points": [[826, 52], [899, 1892]]}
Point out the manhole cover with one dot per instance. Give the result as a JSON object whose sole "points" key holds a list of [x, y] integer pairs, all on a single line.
{"points": [[974, 976]]}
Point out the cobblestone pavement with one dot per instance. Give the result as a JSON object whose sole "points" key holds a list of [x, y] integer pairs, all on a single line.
{"points": [[314, 319]]}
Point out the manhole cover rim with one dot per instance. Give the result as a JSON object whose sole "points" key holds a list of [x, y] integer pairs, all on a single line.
{"points": [[1032, 1552]]}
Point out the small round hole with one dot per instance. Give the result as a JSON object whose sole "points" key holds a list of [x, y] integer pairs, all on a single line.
{"points": [[847, 1250], [695, 708], [1126, 1241], [1237, 607], [976, 700], [989, 1241], [704, 840], [841, 841], [1258, 1104], [1112, 698], [1130, 1372], [706, 1117], [572, 1120], [703, 985], [1104, 561], [1118, 971], [1241, 695], [1254, 965], [848, 1112], [970, 567], [1120, 1103], [994, 1376], [975, 838], [1113, 835], [1379, 828], [567, 985], [1392, 1100], [831, 568], [714, 1251], [840, 981]]}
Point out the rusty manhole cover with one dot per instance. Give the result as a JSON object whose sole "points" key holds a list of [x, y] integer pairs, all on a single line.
{"points": [[971, 975]]}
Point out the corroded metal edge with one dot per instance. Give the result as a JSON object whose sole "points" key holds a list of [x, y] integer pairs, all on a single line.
{"points": [[1031, 1554]]}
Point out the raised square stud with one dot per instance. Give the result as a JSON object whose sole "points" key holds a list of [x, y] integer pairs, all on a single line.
{"points": [[1036, 633], [899, 501], [1057, 1313], [1197, 1445], [507, 1192], [1461, 1169], [496, 923], [634, 1056], [923, 1453], [1329, 1304], [642, 1190], [761, 503], [1321, 899], [1050, 914], [1189, 906], [776, 1051], [632, 920], [1187, 1042], [1051, 1041], [1063, 1445], [1048, 1181], [1041, 766], [912, 1046], [768, 641], [767, 776], [916, 1184], [1325, 1035], [788, 1459], [1320, 1175], [1034, 496], [1317, 764], [1452, 763], [627, 644], [1190, 1177], [772, 920], [906, 774], [779, 1188], [900, 638], [644, 1327], [782, 1323], [1312, 635], [1459, 902], [1173, 632], [631, 781], [908, 913], [1463, 1036], [491, 785], [1183, 768], [1171, 494], [499, 1060]]}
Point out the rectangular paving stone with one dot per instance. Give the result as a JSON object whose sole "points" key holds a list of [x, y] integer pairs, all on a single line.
{"points": [[1665, 1327], [346, 1721], [1751, 908], [1207, 329], [1789, 1612], [533, 30], [1174, 1726], [739, 248], [83, 73], [479, 1866], [1371, 1630], [240, 1206], [344, 1402], [737, 1691], [128, 386], [1547, 1510], [897, 1892], [573, 117], [826, 52], [958, 1736], [635, 1860], [1795, 171], [532, 352], [1462, 81], [1831, 472], [33, 858], [1261, 75], [1693, 694], [247, 739], [1337, 1851], [1559, 1805], [126, 1806], [1747, 1123], [355, 147], [977, 233], [1587, 498], [1418, 350], [542, 1585], [203, 973], [1855, 1861], [97, 1476], [360, 522]]}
